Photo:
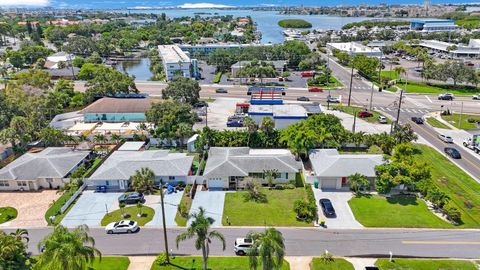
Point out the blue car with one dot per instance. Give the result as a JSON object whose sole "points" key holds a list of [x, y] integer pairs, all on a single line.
{"points": [[235, 123], [131, 198]]}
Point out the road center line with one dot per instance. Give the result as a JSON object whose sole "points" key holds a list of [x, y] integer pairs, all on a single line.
{"points": [[429, 99], [439, 243]]}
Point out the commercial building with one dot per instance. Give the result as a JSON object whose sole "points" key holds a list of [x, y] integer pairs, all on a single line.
{"points": [[115, 173], [432, 25], [175, 61], [279, 66], [354, 48], [228, 167], [472, 50], [283, 115], [109, 109], [205, 49], [49, 169], [332, 169]]}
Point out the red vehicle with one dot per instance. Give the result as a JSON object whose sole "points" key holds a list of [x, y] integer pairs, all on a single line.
{"points": [[307, 73], [364, 114], [315, 89]]}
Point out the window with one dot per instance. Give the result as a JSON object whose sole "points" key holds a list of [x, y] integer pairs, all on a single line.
{"points": [[256, 175], [4, 184], [22, 183], [171, 178], [286, 175]]}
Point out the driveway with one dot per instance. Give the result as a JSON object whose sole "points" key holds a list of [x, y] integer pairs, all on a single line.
{"points": [[339, 199], [213, 202], [31, 207], [171, 203], [90, 208]]}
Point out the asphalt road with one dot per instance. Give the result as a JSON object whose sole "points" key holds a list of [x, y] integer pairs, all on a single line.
{"points": [[299, 242]]}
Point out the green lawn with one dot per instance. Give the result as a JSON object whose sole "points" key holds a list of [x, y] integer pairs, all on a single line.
{"points": [[214, 263], [401, 212], [463, 190], [109, 263], [133, 211], [93, 167], [338, 264], [420, 87], [278, 211], [435, 123], [416, 264], [7, 214], [332, 84], [181, 221], [352, 109], [54, 209], [454, 120], [390, 74]]}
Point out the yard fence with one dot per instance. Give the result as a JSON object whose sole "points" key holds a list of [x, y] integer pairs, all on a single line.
{"points": [[73, 198]]}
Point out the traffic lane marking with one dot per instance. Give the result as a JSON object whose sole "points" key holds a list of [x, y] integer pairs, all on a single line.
{"points": [[439, 243], [429, 99]]}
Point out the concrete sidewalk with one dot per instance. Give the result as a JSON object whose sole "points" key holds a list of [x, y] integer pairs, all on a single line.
{"points": [[141, 262]]}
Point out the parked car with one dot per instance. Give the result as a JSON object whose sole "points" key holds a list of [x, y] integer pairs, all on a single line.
{"points": [[452, 152], [382, 119], [331, 99], [315, 89], [235, 123], [417, 120], [131, 198], [446, 96], [327, 207], [307, 73], [303, 99], [221, 91], [242, 245], [445, 138], [364, 114], [123, 226], [200, 104], [476, 97]]}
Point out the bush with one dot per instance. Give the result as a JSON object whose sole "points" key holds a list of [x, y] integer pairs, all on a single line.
{"points": [[254, 192], [303, 210], [183, 209], [471, 120], [289, 186], [161, 259], [218, 77], [279, 187], [299, 182], [374, 149], [188, 188], [453, 213]]}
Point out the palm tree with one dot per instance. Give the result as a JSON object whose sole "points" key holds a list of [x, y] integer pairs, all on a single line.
{"points": [[270, 175], [99, 138], [251, 126], [200, 228], [20, 235], [64, 249], [116, 138], [399, 71], [358, 183], [299, 139], [183, 131], [269, 246], [83, 138], [143, 181]]}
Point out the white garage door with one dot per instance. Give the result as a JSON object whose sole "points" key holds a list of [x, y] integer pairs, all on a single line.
{"points": [[215, 183], [329, 183]]}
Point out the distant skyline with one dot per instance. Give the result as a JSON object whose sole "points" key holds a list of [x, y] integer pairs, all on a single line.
{"points": [[111, 4]]}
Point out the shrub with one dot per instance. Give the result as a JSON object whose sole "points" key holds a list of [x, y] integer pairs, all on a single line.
{"points": [[299, 182], [374, 149], [327, 257], [289, 186], [471, 120], [279, 187], [161, 259], [453, 213], [302, 209], [188, 188], [254, 192], [218, 77], [183, 209]]}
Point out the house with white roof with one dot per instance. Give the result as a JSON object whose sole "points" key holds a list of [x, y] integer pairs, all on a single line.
{"points": [[228, 167], [47, 169], [331, 169], [115, 173]]}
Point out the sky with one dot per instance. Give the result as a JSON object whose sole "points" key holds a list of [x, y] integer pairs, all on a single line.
{"points": [[197, 3]]}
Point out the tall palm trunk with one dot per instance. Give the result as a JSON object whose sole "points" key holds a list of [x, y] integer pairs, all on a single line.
{"points": [[205, 257]]}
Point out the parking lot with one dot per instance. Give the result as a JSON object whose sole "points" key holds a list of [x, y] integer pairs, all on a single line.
{"points": [[218, 113], [90, 208], [344, 218], [31, 207]]}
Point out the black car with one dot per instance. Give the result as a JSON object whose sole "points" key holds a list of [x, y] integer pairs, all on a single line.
{"points": [[131, 198], [235, 123], [454, 153], [221, 91], [446, 96], [303, 99], [200, 104], [417, 120], [327, 207]]}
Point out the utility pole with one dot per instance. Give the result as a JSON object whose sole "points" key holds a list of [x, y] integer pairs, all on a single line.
{"points": [[460, 120], [354, 120], [379, 81], [163, 221], [350, 91], [328, 81]]}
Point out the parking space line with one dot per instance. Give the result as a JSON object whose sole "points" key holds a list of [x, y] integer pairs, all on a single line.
{"points": [[428, 99]]}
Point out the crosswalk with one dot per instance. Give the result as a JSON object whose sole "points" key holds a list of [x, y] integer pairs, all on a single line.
{"points": [[404, 110]]}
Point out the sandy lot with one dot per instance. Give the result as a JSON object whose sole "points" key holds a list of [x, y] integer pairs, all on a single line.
{"points": [[31, 207]]}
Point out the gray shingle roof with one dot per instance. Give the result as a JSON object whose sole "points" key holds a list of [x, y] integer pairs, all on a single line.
{"points": [[52, 162], [240, 161], [123, 164], [329, 163]]}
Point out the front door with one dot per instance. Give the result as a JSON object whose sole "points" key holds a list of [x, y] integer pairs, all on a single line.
{"points": [[121, 184], [31, 186], [344, 181], [232, 182]]}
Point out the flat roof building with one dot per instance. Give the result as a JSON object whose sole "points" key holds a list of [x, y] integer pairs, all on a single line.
{"points": [[354, 48], [109, 109], [283, 115], [205, 49], [472, 50], [175, 61], [432, 25]]}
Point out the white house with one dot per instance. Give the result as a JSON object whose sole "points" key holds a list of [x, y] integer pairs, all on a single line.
{"points": [[53, 60], [175, 61], [331, 169], [227, 167]]}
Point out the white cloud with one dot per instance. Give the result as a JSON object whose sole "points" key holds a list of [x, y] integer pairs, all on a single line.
{"points": [[202, 5], [36, 3]]}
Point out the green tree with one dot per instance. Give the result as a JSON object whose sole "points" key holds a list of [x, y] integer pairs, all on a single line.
{"points": [[299, 139], [143, 181], [270, 175], [167, 117], [268, 249], [358, 183], [102, 80], [199, 229], [182, 89], [34, 77], [267, 125], [52, 136], [64, 249], [13, 251]]}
